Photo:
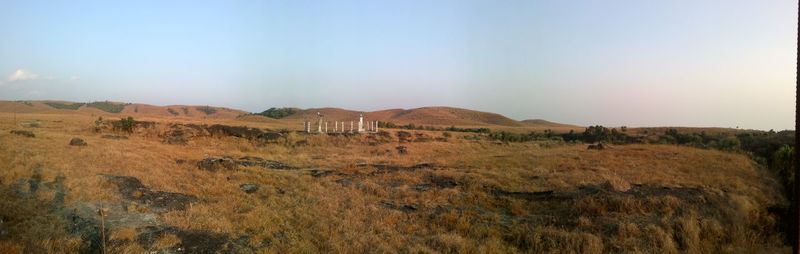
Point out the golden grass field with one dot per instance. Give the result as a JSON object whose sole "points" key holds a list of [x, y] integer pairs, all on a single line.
{"points": [[360, 195]]}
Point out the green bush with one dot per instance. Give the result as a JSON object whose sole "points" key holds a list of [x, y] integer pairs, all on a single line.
{"points": [[208, 110], [59, 105], [172, 111], [279, 113], [125, 124], [107, 106], [783, 167]]}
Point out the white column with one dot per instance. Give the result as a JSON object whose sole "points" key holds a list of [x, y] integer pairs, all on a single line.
{"points": [[351, 126], [335, 126], [376, 126], [326, 127], [361, 123]]}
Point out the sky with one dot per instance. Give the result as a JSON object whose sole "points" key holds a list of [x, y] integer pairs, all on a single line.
{"points": [[723, 63]]}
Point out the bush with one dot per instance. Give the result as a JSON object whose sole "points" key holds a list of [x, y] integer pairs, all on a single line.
{"points": [[279, 113], [208, 110], [125, 124], [58, 105], [783, 167], [107, 106], [172, 111]]}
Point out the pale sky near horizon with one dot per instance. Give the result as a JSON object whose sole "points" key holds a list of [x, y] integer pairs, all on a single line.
{"points": [[722, 63]]}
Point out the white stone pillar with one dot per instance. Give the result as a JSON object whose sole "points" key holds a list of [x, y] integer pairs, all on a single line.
{"points": [[376, 126], [351, 126], [361, 123], [326, 127]]}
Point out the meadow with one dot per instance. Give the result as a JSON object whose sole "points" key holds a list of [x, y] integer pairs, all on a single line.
{"points": [[387, 192]]}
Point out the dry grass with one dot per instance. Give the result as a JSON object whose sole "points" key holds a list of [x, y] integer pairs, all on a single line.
{"points": [[347, 212]]}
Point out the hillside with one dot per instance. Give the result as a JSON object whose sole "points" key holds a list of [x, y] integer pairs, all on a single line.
{"points": [[119, 108], [437, 116], [442, 116]]}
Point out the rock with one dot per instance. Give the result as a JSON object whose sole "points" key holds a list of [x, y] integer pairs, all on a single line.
{"points": [[249, 187], [320, 172], [77, 142], [217, 163], [252, 161], [301, 143], [23, 133]]}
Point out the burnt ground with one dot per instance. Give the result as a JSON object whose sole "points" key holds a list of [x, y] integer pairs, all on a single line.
{"points": [[132, 189]]}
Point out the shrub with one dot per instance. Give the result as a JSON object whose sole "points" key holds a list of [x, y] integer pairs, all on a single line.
{"points": [[172, 111], [107, 106], [70, 106], [278, 113], [125, 124], [208, 110], [783, 167]]}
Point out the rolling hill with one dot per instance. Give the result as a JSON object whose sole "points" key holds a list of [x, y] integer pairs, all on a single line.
{"points": [[431, 116]]}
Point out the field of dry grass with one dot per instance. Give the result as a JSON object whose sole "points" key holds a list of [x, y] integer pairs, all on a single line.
{"points": [[361, 194]]}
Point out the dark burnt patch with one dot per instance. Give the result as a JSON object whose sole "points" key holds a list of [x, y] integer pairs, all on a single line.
{"points": [[133, 189], [23, 133], [191, 241], [388, 204], [636, 191]]}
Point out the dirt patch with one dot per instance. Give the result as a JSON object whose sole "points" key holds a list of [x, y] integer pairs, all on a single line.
{"points": [[133, 189], [23, 133]]}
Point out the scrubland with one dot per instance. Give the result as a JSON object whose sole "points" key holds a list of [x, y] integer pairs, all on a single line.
{"points": [[361, 194]]}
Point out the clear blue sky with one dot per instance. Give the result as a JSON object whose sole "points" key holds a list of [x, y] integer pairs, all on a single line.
{"points": [[636, 63]]}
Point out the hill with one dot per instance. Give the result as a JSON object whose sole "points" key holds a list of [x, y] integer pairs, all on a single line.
{"points": [[442, 116], [119, 108], [431, 116]]}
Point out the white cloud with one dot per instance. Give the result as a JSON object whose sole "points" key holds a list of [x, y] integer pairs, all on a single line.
{"points": [[22, 75]]}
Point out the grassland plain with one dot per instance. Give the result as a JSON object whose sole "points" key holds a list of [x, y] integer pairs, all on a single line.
{"points": [[360, 194]]}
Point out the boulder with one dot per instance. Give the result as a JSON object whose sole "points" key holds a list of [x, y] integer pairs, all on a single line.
{"points": [[77, 142], [217, 163], [249, 187]]}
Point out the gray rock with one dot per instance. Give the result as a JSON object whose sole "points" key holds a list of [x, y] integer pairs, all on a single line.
{"points": [[249, 187], [77, 142]]}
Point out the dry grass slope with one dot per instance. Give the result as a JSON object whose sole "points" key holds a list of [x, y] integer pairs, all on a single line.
{"points": [[358, 194]]}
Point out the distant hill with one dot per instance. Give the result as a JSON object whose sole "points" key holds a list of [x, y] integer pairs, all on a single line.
{"points": [[107, 107], [435, 116], [442, 116], [545, 123]]}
